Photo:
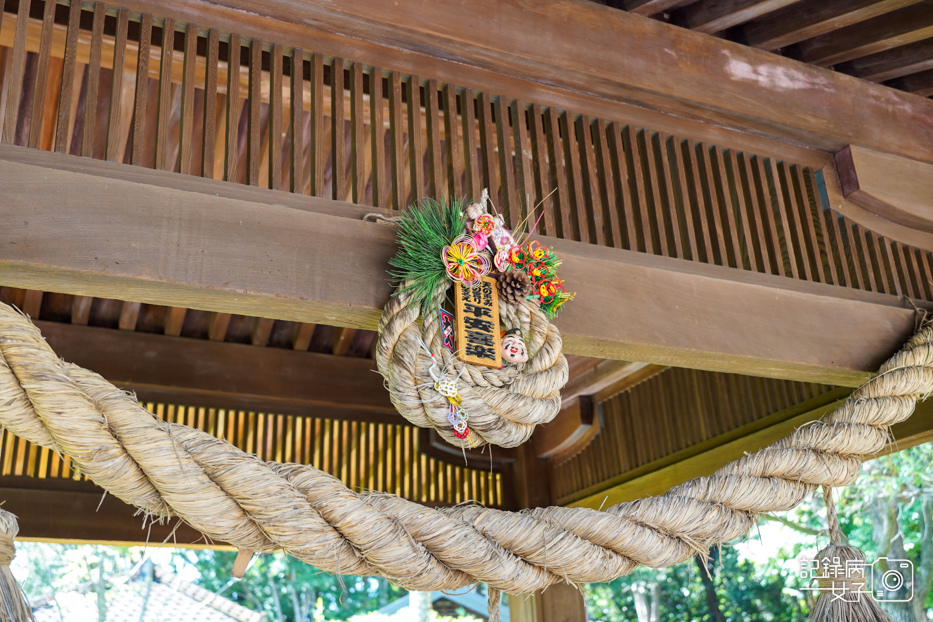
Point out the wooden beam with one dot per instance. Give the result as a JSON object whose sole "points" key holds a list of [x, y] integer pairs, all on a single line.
{"points": [[77, 511], [811, 18], [919, 83], [196, 372], [885, 32], [894, 188], [203, 244], [649, 7], [900, 61], [595, 60], [710, 17]]}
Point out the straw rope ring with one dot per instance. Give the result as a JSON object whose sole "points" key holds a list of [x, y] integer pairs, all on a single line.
{"points": [[504, 404]]}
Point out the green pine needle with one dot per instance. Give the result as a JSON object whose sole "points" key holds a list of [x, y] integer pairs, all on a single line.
{"points": [[424, 229]]}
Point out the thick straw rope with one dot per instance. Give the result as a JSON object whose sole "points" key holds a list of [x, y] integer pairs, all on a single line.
{"points": [[171, 470], [504, 404]]}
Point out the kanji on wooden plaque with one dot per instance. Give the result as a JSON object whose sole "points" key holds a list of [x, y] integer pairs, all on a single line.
{"points": [[478, 323]]}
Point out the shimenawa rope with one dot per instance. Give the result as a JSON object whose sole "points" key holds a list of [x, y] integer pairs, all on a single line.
{"points": [[166, 470]]}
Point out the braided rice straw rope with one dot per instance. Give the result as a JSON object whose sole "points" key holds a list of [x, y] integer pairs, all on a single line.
{"points": [[504, 404], [166, 470]]}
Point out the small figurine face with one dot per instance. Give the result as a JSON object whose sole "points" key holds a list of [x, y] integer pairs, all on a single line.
{"points": [[513, 347]]}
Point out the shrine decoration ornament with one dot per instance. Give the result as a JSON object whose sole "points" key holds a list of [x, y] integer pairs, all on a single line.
{"points": [[439, 343]]}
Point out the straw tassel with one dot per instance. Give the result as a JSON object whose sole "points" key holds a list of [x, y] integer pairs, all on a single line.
{"points": [[844, 598], [13, 604]]}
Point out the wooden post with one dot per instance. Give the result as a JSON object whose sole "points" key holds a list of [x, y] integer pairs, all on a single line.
{"points": [[558, 603]]}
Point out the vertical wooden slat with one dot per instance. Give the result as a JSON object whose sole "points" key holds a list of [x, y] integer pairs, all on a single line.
{"points": [[861, 258], [694, 241], [186, 122], [175, 321], [357, 134], [262, 329], [472, 182], [623, 187], [487, 143], [558, 174], [296, 122], [129, 315], [453, 145], [138, 130], [338, 136], [579, 227], [797, 239], [788, 246], [707, 159], [542, 186], [436, 186], [253, 120], [42, 73], [799, 189], [275, 117], [671, 210], [630, 140], [748, 204], [93, 82], [415, 143], [232, 142], [592, 210], [524, 157], [507, 163], [165, 91], [761, 178], [653, 180], [720, 176], [396, 140], [210, 104], [17, 69], [68, 73], [378, 143], [607, 182]]}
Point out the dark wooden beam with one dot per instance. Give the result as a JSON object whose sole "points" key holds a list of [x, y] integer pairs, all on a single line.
{"points": [[592, 59], [649, 7], [204, 244], [919, 83], [900, 61], [63, 510], [891, 30], [894, 188], [197, 372], [811, 18]]}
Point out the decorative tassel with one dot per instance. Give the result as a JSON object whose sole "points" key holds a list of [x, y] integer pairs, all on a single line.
{"points": [[13, 604], [845, 595]]}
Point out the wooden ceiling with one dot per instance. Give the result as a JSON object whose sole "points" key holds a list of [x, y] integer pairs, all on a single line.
{"points": [[884, 41]]}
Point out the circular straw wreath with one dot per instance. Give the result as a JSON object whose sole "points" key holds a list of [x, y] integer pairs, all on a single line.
{"points": [[505, 404]]}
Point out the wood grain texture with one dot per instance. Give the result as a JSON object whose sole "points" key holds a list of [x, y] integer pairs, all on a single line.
{"points": [[210, 259], [615, 70]]}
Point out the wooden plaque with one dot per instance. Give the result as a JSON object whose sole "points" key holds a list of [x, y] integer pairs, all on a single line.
{"points": [[478, 323]]}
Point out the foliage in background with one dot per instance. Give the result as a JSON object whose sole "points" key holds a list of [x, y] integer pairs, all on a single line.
{"points": [[888, 511]]}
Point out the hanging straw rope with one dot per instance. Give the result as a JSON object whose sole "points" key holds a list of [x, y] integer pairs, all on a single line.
{"points": [[13, 604], [166, 470], [505, 405]]}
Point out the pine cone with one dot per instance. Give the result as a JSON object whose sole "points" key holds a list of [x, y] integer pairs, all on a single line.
{"points": [[514, 285]]}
